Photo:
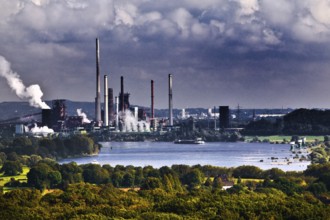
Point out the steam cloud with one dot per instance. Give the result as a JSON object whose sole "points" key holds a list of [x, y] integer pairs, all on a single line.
{"points": [[83, 115], [32, 93], [131, 124], [41, 130]]}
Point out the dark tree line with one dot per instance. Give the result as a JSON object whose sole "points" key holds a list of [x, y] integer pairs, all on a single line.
{"points": [[298, 122], [59, 147]]}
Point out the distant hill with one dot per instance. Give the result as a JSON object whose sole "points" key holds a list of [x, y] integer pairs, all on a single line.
{"points": [[10, 110]]}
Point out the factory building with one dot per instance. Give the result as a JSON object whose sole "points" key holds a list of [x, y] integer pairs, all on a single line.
{"points": [[46, 118], [73, 122], [58, 114], [224, 117]]}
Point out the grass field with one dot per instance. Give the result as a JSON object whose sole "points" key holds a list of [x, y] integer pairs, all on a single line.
{"points": [[243, 180], [5, 179], [280, 138]]}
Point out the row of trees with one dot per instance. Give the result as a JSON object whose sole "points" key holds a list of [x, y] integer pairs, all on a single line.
{"points": [[53, 148], [47, 174], [298, 122], [177, 192]]}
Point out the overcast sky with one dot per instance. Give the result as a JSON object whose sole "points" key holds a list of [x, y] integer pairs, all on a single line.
{"points": [[255, 53]]}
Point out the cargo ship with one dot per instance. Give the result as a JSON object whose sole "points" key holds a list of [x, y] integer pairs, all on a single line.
{"points": [[196, 141]]}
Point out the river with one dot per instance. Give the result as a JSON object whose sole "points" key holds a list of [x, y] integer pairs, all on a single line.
{"points": [[158, 154]]}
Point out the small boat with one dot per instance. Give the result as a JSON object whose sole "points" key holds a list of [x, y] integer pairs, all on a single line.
{"points": [[196, 141]]}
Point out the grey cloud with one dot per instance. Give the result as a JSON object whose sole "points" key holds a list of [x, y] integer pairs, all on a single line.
{"points": [[247, 47]]}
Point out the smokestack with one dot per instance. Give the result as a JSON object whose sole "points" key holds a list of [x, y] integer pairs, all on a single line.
{"points": [[117, 113], [106, 109], [122, 99], [170, 99], [152, 105], [98, 85], [136, 113], [110, 106]]}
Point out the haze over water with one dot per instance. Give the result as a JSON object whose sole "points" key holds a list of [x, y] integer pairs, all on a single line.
{"points": [[158, 154]]}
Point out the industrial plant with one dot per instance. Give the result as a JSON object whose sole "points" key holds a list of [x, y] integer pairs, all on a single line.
{"points": [[115, 115]]}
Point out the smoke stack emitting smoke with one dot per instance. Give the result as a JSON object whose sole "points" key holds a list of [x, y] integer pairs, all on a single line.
{"points": [[83, 115], [32, 93]]}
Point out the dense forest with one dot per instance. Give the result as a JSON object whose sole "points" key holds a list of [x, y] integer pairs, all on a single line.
{"points": [[58, 147], [91, 191], [298, 122]]}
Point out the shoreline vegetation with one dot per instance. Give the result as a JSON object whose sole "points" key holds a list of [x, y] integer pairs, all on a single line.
{"points": [[91, 191], [36, 187]]}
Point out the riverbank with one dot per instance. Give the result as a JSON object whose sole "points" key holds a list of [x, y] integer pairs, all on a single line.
{"points": [[283, 139]]}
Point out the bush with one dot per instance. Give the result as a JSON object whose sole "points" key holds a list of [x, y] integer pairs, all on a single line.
{"points": [[11, 168]]}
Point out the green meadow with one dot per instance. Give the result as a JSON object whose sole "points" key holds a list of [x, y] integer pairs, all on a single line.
{"points": [[5, 179], [280, 138]]}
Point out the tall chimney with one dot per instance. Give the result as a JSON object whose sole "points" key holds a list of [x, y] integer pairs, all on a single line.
{"points": [[110, 106], [98, 85], [170, 99], [106, 109], [117, 113], [122, 99], [152, 105]]}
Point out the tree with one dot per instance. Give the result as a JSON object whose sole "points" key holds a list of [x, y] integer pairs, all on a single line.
{"points": [[71, 173], [167, 183], [12, 156], [149, 171], [208, 182], [79, 144], [11, 168], [38, 176], [117, 178], [49, 144], [128, 180], [94, 173], [55, 178], [181, 169], [194, 178], [217, 183], [273, 173], [33, 160], [317, 188], [138, 178], [151, 183], [247, 172], [24, 145], [3, 158]]}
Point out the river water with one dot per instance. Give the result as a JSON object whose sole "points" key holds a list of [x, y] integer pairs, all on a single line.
{"points": [[158, 154]]}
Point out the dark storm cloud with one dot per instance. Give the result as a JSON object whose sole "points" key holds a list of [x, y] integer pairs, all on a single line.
{"points": [[258, 53]]}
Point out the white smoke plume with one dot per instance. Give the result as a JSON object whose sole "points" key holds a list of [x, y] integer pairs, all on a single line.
{"points": [[131, 124], [83, 115], [32, 93], [41, 130]]}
